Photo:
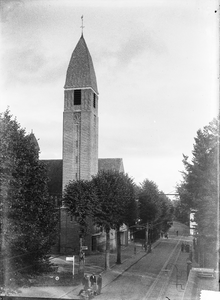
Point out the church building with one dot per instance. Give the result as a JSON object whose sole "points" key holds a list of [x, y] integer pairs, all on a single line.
{"points": [[80, 149]]}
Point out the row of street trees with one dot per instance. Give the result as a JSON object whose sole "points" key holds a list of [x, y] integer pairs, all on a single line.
{"points": [[28, 217], [111, 199], [107, 201], [155, 208], [199, 193]]}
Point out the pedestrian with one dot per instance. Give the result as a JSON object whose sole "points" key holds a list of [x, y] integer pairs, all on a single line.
{"points": [[182, 247], [194, 243], [85, 283], [99, 283], [177, 233], [82, 256], [93, 283]]}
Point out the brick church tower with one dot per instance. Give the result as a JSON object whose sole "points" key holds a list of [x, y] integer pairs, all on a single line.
{"points": [[80, 117], [80, 149]]}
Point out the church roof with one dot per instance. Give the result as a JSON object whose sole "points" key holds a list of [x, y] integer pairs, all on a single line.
{"points": [[114, 164], [80, 72], [55, 166]]}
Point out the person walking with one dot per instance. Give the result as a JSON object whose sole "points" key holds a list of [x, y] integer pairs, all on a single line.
{"points": [[85, 283], [99, 284], [93, 283], [182, 247]]}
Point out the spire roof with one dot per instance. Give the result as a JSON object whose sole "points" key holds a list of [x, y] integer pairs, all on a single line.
{"points": [[80, 72]]}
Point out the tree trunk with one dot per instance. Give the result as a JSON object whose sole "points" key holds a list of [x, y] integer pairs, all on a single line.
{"points": [[107, 250], [81, 260], [118, 247], [146, 238]]}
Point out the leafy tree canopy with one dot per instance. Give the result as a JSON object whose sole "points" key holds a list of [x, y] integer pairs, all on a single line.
{"points": [[81, 201], [28, 223], [199, 187], [149, 201], [116, 196]]}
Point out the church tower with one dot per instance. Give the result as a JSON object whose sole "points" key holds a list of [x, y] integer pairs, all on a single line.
{"points": [[80, 117]]}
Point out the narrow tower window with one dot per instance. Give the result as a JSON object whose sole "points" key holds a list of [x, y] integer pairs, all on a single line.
{"points": [[94, 99], [77, 97]]}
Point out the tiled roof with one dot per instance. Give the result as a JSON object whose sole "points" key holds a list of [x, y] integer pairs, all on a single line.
{"points": [[115, 164], [54, 169], [80, 72]]}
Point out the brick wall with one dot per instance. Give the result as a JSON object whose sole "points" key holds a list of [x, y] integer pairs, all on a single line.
{"points": [[80, 138], [80, 156], [68, 148]]}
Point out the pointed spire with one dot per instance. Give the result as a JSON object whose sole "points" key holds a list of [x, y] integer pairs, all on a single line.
{"points": [[82, 24], [80, 72]]}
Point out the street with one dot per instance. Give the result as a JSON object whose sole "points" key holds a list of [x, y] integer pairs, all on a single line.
{"points": [[156, 275], [149, 277]]}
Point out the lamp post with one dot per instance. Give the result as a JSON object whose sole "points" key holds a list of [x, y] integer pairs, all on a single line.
{"points": [[149, 239]]}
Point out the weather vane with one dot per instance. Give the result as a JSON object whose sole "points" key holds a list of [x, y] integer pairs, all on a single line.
{"points": [[82, 24]]}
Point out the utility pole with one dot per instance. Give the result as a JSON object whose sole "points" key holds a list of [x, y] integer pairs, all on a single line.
{"points": [[146, 236], [81, 258], [149, 240]]}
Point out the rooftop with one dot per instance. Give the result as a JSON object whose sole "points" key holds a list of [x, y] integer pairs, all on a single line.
{"points": [[80, 72]]}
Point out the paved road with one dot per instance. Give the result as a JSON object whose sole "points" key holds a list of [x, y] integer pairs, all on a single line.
{"points": [[149, 277]]}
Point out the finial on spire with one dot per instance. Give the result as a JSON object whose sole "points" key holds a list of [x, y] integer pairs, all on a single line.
{"points": [[82, 24]]}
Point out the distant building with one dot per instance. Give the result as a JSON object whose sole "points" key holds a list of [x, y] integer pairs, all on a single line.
{"points": [[192, 223], [80, 149]]}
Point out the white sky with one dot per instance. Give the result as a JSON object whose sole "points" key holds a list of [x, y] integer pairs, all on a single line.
{"points": [[156, 64]]}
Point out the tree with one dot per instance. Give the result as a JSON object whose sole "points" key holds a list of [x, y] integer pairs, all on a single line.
{"points": [[28, 218], [166, 214], [182, 206], [149, 203], [199, 190], [117, 205], [155, 209], [80, 200]]}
